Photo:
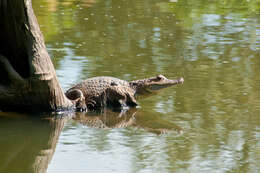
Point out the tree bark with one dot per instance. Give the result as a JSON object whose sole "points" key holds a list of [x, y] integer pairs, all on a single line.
{"points": [[28, 81]]}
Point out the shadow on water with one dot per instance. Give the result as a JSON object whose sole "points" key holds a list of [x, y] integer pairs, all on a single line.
{"points": [[28, 143]]}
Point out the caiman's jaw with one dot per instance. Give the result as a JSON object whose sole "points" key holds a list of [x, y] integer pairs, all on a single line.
{"points": [[159, 82], [151, 85]]}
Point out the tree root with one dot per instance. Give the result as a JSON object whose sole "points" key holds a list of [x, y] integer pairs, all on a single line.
{"points": [[12, 75]]}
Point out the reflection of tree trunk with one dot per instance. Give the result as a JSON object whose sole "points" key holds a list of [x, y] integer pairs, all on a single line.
{"points": [[43, 159], [28, 79], [28, 145]]}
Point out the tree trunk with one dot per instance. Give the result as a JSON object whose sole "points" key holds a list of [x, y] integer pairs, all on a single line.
{"points": [[28, 81]]}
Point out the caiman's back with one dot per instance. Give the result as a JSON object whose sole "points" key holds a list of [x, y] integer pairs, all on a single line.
{"points": [[102, 90], [94, 87]]}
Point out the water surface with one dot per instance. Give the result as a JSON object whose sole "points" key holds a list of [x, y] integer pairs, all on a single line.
{"points": [[209, 124]]}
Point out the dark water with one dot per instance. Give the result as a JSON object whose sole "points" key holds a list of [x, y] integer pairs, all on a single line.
{"points": [[209, 124]]}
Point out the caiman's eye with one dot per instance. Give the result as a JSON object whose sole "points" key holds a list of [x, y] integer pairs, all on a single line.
{"points": [[160, 77]]}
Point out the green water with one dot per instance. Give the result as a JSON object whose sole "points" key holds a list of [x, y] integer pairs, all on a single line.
{"points": [[211, 123]]}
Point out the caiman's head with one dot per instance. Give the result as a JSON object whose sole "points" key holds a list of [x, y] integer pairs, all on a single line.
{"points": [[152, 85]]}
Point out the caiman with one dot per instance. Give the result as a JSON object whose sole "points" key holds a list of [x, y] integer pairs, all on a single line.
{"points": [[100, 92]]}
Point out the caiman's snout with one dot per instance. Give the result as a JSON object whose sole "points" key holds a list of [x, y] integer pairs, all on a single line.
{"points": [[160, 82], [181, 80], [170, 82], [160, 79]]}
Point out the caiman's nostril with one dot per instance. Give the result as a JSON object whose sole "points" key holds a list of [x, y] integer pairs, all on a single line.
{"points": [[181, 80]]}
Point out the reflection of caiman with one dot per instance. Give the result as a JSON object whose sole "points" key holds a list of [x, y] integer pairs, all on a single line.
{"points": [[98, 92], [108, 119]]}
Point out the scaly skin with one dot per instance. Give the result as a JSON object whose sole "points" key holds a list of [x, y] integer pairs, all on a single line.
{"points": [[100, 92]]}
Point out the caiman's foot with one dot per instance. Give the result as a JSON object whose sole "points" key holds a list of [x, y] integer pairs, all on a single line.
{"points": [[81, 106], [77, 97], [91, 104]]}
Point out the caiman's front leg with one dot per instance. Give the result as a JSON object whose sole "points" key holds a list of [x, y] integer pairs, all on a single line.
{"points": [[91, 104], [114, 97], [118, 97], [131, 101]]}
